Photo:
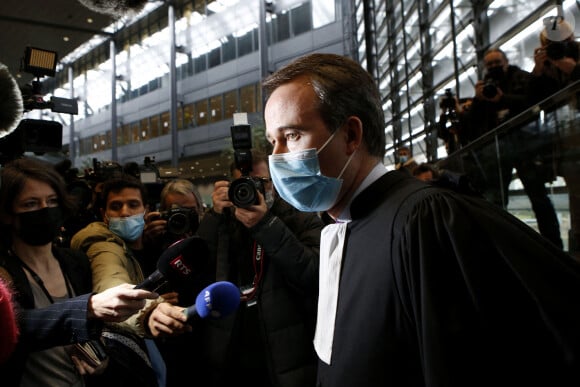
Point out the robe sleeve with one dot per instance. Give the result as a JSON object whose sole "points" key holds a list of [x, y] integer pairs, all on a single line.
{"points": [[490, 299]]}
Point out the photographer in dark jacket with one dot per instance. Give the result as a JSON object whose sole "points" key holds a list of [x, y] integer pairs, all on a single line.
{"points": [[557, 65], [502, 94], [270, 250]]}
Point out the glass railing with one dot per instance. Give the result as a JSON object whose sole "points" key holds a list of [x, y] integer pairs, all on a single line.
{"points": [[530, 165]]}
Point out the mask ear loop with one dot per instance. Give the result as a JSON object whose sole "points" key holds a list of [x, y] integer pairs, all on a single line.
{"points": [[326, 143], [346, 164]]}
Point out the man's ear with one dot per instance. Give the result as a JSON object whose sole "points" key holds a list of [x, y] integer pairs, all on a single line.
{"points": [[354, 132]]}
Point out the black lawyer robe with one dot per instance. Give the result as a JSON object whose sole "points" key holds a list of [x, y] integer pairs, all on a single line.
{"points": [[453, 292]]}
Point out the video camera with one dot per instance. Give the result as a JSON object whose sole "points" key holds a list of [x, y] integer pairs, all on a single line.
{"points": [[40, 63], [243, 192]]}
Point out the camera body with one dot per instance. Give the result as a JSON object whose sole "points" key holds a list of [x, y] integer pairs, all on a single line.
{"points": [[243, 192], [559, 50], [180, 220], [491, 81], [489, 88], [448, 101]]}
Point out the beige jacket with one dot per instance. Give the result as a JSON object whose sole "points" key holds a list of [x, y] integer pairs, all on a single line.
{"points": [[112, 264]]}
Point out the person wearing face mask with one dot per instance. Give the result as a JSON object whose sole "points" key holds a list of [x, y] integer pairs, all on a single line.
{"points": [[502, 94], [54, 302], [270, 250], [115, 248], [406, 162], [420, 285]]}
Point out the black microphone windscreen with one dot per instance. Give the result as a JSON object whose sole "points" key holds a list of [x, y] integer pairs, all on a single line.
{"points": [[185, 265], [115, 8], [11, 105]]}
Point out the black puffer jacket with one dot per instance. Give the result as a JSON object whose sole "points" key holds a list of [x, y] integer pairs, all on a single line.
{"points": [[284, 317]]}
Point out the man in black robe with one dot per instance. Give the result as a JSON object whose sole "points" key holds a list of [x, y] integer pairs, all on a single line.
{"points": [[420, 285]]}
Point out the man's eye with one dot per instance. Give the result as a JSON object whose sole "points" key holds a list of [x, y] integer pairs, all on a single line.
{"points": [[291, 136]]}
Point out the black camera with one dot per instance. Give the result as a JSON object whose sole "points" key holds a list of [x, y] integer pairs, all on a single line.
{"points": [[491, 81], [243, 192], [489, 89], [181, 220], [559, 50], [448, 102]]}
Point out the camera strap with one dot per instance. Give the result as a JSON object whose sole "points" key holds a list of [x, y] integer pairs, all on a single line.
{"points": [[258, 264]]}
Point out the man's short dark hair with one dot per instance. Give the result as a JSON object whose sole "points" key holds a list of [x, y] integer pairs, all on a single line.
{"points": [[117, 184], [344, 89]]}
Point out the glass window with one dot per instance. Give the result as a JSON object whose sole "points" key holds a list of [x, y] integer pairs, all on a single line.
{"points": [[323, 12], [301, 20], [215, 108], [166, 123], [281, 27], [135, 135], [144, 129], [214, 57], [200, 64], [155, 126], [126, 135], [230, 103], [201, 112], [188, 116], [108, 142], [229, 49], [245, 43], [248, 99]]}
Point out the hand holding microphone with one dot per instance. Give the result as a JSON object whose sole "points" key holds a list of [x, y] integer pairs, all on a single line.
{"points": [[215, 301]]}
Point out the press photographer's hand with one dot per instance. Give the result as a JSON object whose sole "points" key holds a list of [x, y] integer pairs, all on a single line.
{"points": [[154, 226], [250, 216], [220, 196]]}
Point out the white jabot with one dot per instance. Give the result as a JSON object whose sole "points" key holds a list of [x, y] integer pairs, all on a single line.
{"points": [[331, 246], [332, 240]]}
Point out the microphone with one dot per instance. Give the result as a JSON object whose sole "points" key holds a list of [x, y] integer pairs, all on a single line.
{"points": [[11, 105], [116, 8], [215, 301], [8, 327], [179, 264]]}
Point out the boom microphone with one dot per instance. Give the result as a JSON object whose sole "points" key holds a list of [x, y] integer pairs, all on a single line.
{"points": [[178, 265], [116, 8], [215, 301], [11, 105], [8, 327]]}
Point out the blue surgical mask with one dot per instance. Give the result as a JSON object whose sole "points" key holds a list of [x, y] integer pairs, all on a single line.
{"points": [[298, 180], [128, 228], [403, 159]]}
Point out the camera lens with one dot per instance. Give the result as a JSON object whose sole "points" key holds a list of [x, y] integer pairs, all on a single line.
{"points": [[178, 223], [489, 90], [243, 192]]}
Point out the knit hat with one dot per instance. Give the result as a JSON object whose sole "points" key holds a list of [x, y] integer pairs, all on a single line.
{"points": [[556, 29]]}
